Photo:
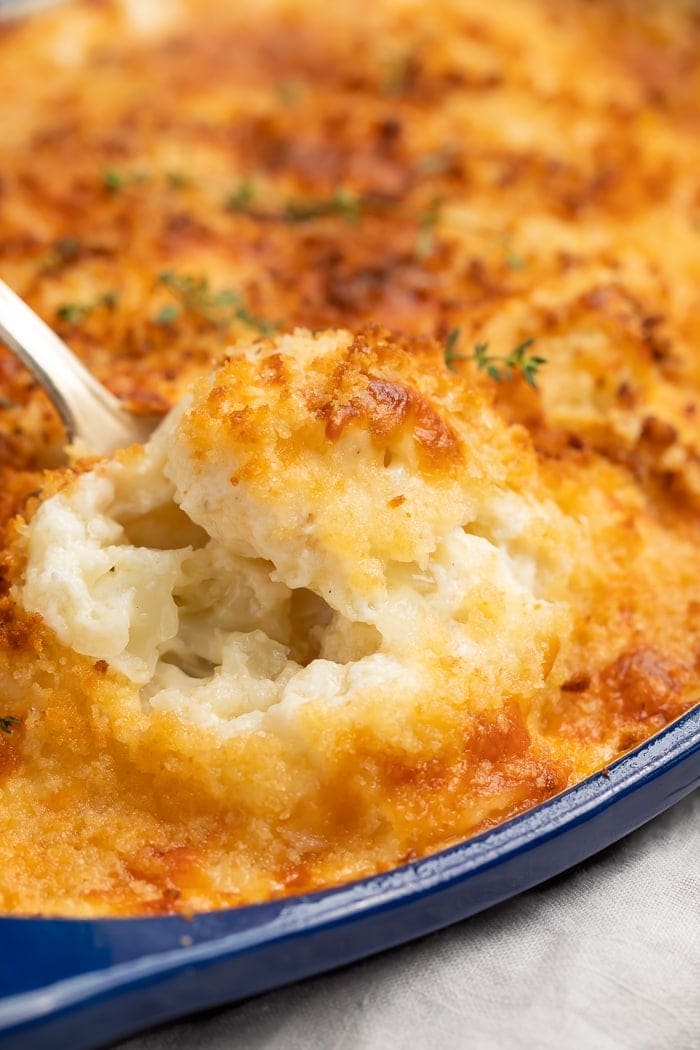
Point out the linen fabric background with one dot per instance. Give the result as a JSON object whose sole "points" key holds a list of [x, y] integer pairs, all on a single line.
{"points": [[606, 957]]}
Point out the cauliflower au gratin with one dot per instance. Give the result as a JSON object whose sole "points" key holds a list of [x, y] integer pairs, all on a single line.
{"points": [[372, 586]]}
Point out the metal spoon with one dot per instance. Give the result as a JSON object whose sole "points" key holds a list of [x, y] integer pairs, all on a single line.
{"points": [[90, 414]]}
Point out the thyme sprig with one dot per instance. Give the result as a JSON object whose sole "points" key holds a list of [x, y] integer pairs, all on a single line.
{"points": [[451, 354], [516, 262], [242, 197], [167, 314], [62, 252], [349, 205], [344, 203], [75, 313], [501, 368], [115, 180], [220, 309], [7, 723], [428, 220]]}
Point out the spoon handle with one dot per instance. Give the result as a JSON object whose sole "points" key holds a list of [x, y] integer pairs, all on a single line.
{"points": [[87, 409]]}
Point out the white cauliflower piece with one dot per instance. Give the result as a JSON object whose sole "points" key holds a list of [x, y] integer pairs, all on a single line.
{"points": [[324, 521]]}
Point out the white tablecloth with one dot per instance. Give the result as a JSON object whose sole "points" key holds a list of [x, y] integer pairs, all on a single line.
{"points": [[606, 957]]}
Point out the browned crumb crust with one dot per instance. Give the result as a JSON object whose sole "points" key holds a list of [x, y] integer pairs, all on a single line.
{"points": [[522, 170]]}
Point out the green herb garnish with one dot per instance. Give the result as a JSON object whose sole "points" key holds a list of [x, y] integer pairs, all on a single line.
{"points": [[344, 203], [167, 314], [7, 723], [217, 308], [75, 313], [498, 367], [64, 250], [427, 221], [242, 197], [450, 349], [515, 262], [113, 180]]}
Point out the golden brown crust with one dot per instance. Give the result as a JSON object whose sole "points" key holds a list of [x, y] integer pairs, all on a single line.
{"points": [[527, 169]]}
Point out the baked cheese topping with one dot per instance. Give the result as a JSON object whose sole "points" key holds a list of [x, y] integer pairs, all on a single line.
{"points": [[328, 519], [416, 290]]}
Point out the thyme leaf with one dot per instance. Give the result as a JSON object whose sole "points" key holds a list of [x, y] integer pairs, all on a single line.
{"points": [[427, 221], [242, 197], [450, 349], [7, 723], [220, 309], [167, 314], [75, 313], [515, 262], [65, 250], [343, 202], [113, 180], [501, 368]]}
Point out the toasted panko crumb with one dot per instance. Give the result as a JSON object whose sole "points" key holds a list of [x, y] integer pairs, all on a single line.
{"points": [[357, 599]]}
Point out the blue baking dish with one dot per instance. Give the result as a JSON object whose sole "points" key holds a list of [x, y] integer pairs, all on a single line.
{"points": [[83, 983]]}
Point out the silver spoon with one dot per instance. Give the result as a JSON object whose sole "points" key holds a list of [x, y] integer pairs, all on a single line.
{"points": [[90, 414]]}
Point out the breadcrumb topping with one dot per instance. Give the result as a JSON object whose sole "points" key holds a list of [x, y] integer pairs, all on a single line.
{"points": [[416, 290]]}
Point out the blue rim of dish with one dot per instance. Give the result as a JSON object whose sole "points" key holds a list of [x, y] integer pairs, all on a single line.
{"points": [[83, 982]]}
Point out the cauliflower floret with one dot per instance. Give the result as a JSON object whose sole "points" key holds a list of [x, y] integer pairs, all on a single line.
{"points": [[332, 457], [102, 596], [327, 519]]}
